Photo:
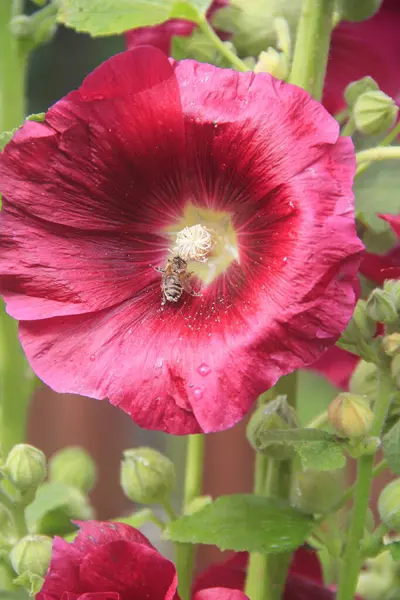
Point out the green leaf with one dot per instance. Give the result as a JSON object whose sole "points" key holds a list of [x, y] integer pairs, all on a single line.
{"points": [[394, 548], [391, 448], [244, 522], [322, 456], [49, 497], [109, 17], [317, 449], [5, 137]]}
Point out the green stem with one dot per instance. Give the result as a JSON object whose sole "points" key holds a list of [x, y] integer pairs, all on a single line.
{"points": [[352, 559], [234, 60], [312, 46], [266, 574], [374, 154], [15, 382], [349, 127], [184, 553], [17, 512], [391, 137], [319, 421]]}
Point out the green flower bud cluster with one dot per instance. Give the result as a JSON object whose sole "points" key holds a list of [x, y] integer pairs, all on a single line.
{"points": [[372, 111], [147, 476], [383, 305]]}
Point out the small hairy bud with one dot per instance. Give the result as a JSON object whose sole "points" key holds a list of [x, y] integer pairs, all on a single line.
{"points": [[356, 88], [147, 476], [32, 554], [274, 62], [26, 466], [374, 112], [350, 415], [391, 344], [75, 467], [315, 492], [364, 380], [361, 326], [389, 505], [381, 307], [275, 415]]}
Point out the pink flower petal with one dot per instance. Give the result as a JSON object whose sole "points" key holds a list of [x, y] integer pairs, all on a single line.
{"points": [[220, 594]]}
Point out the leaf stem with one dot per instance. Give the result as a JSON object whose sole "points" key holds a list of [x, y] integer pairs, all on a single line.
{"points": [[391, 137], [184, 553], [374, 154], [319, 421], [352, 558], [234, 60], [312, 46]]}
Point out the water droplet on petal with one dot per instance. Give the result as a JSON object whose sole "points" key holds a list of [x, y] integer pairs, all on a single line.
{"points": [[204, 369], [159, 363], [92, 357], [198, 393]]}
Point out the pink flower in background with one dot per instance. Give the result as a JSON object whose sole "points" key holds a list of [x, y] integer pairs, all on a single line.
{"points": [[114, 561], [371, 48], [161, 35], [93, 199]]}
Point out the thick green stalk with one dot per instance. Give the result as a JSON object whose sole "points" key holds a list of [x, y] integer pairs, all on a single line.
{"points": [[312, 46], [15, 380], [352, 559], [184, 555], [266, 574]]}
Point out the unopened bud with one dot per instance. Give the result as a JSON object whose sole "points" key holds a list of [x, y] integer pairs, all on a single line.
{"points": [[26, 466], [275, 415], [364, 380], [374, 112], [73, 466], [32, 554], [316, 492], [355, 89], [273, 62], [392, 287], [147, 476], [389, 505], [391, 344], [373, 585], [361, 327], [350, 415], [381, 307]]}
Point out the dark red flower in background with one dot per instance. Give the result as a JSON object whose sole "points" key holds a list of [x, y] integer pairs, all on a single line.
{"points": [[371, 48], [304, 581], [161, 35], [337, 364], [113, 561], [94, 196]]}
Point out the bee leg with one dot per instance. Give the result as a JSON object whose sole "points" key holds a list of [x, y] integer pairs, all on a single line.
{"points": [[187, 286]]}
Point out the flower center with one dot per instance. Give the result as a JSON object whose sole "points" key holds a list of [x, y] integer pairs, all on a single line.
{"points": [[206, 239]]}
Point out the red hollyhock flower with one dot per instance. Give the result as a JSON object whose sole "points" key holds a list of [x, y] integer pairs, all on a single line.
{"points": [[372, 48], [113, 561], [304, 580], [94, 196], [161, 35]]}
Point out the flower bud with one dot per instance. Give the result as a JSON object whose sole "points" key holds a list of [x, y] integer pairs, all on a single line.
{"points": [[73, 466], [391, 344], [364, 380], [374, 112], [355, 89], [147, 476], [373, 585], [275, 415], [358, 10], [381, 308], [392, 287], [316, 492], [361, 327], [26, 466], [32, 554], [273, 62], [350, 415], [389, 505]]}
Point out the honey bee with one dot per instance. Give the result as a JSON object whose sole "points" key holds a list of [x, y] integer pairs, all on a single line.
{"points": [[175, 280]]}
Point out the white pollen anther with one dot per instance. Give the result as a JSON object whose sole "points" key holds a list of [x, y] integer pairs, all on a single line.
{"points": [[194, 243]]}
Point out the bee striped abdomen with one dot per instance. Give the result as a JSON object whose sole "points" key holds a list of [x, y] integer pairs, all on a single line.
{"points": [[172, 288]]}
